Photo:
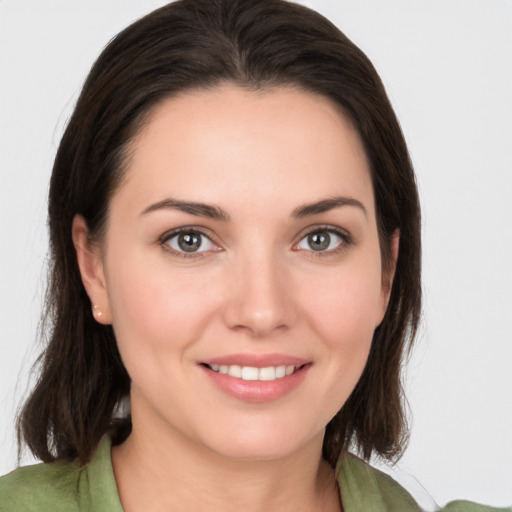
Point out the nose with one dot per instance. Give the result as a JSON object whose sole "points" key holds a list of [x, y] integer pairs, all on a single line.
{"points": [[259, 296]]}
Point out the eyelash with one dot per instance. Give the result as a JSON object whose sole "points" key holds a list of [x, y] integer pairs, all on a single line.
{"points": [[166, 237], [346, 241]]}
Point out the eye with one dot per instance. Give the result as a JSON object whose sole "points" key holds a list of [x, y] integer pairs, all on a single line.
{"points": [[322, 240], [189, 241]]}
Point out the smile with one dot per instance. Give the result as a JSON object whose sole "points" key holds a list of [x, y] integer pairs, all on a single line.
{"points": [[256, 378], [268, 373]]}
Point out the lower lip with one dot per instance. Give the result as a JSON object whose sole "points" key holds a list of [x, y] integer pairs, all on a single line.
{"points": [[257, 391]]}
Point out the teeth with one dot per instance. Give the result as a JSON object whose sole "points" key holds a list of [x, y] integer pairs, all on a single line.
{"points": [[251, 373], [235, 371], [267, 373], [280, 372]]}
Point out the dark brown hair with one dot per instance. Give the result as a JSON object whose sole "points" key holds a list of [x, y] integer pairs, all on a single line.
{"points": [[200, 44]]}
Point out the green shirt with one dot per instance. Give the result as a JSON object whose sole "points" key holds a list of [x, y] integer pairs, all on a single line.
{"points": [[66, 487]]}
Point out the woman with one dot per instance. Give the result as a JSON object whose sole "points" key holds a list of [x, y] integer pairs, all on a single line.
{"points": [[234, 229]]}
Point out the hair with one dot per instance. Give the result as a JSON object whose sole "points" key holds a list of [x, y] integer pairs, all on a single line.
{"points": [[200, 44]]}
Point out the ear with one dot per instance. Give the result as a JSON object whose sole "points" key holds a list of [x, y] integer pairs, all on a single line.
{"points": [[90, 264], [388, 277]]}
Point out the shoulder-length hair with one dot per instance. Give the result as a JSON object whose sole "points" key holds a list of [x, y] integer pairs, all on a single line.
{"points": [[191, 44]]}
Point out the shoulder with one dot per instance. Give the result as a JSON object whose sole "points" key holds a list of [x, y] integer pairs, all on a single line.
{"points": [[41, 487], [63, 487], [366, 488], [468, 506]]}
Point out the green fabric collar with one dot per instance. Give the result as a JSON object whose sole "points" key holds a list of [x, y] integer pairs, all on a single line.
{"points": [[366, 488], [97, 485]]}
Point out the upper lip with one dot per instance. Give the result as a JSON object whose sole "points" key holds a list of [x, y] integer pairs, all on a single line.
{"points": [[256, 360]]}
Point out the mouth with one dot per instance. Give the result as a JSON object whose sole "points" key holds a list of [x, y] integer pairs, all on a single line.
{"points": [[256, 378], [253, 373]]}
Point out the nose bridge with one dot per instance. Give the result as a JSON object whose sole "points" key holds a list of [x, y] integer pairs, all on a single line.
{"points": [[259, 300]]}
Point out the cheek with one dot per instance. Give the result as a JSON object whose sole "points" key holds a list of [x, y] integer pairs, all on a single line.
{"points": [[154, 309], [343, 310], [345, 305]]}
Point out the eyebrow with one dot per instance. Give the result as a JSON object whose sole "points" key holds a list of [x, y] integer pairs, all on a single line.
{"points": [[217, 213], [193, 208], [326, 205]]}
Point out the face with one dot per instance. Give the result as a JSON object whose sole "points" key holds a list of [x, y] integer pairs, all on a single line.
{"points": [[241, 269]]}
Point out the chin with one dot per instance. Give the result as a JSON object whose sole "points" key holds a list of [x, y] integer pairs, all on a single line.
{"points": [[262, 442], [256, 451]]}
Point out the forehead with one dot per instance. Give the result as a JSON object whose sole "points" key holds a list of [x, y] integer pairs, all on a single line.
{"points": [[280, 144]]}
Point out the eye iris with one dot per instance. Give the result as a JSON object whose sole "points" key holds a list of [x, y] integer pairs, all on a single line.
{"points": [[189, 242], [319, 241]]}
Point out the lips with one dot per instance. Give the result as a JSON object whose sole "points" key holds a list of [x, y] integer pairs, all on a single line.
{"points": [[256, 378]]}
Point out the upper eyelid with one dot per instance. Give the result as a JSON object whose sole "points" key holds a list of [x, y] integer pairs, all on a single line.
{"points": [[215, 240], [164, 239], [184, 229], [324, 227], [347, 239]]}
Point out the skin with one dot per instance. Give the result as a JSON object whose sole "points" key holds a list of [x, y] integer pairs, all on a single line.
{"points": [[255, 287]]}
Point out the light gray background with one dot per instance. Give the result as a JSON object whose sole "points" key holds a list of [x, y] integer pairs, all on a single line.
{"points": [[447, 65]]}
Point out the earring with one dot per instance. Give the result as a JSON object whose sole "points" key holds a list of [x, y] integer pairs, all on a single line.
{"points": [[95, 311]]}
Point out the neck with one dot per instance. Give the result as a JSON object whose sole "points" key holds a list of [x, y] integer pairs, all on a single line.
{"points": [[158, 470]]}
